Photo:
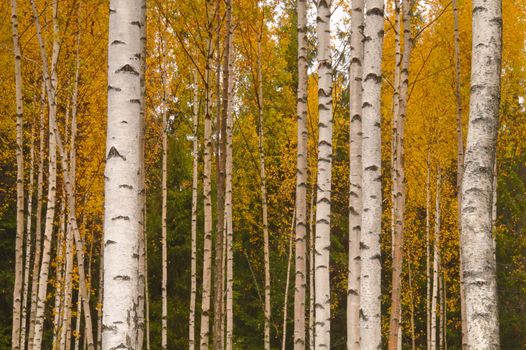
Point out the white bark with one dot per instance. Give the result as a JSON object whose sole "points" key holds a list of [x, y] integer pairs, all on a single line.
{"points": [[122, 174], [287, 284], [28, 242], [229, 307], [19, 241], [478, 251], [399, 192], [38, 225], [460, 163], [164, 197], [324, 176], [370, 278], [263, 186], [195, 174], [428, 255], [300, 281], [311, 269], [436, 266], [51, 86], [355, 176], [207, 172]]}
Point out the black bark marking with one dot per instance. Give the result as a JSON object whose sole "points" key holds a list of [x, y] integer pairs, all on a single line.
{"points": [[121, 217], [108, 242], [118, 42], [114, 153], [127, 69], [121, 278], [114, 88], [130, 187]]}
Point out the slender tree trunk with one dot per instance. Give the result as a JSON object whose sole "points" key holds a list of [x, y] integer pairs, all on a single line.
{"points": [[19, 254], [460, 165], [100, 295], [324, 175], [164, 195], [311, 269], [66, 320], [227, 109], [57, 141], [123, 166], [60, 273], [38, 225], [436, 266], [412, 297], [441, 309], [51, 86], [428, 254], [478, 251], [146, 287], [300, 274], [262, 173], [207, 191], [77, 323], [220, 192], [370, 279], [444, 320], [355, 176], [287, 283], [143, 263], [28, 242], [399, 184], [195, 174]]}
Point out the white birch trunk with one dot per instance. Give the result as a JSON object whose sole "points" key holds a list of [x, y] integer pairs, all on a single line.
{"points": [[229, 307], [164, 198], [311, 270], [428, 254], [324, 177], [38, 225], [51, 86], [287, 284], [478, 251], [28, 242], [399, 192], [207, 172], [195, 174], [19, 241], [370, 278], [355, 176], [436, 266], [300, 280], [460, 163], [262, 174], [123, 166]]}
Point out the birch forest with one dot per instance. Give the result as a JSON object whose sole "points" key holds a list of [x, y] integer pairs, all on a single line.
{"points": [[262, 174]]}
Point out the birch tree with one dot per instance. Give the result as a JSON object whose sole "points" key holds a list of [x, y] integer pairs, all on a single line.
{"points": [[355, 175], [300, 281], [228, 76], [478, 251], [38, 225], [193, 265], [324, 177], [263, 179], [460, 161], [123, 166], [436, 266], [399, 183], [370, 278], [207, 194], [19, 241], [51, 86]]}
